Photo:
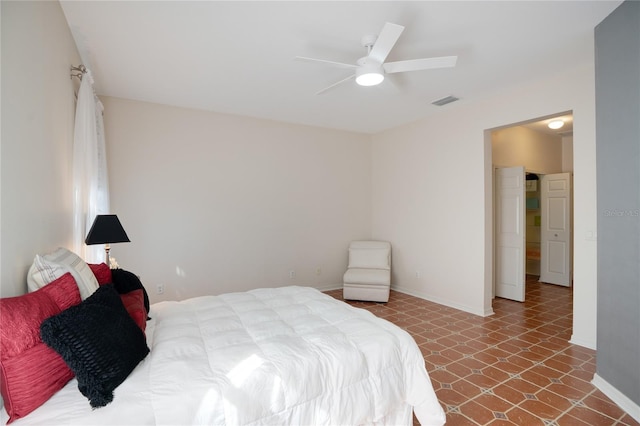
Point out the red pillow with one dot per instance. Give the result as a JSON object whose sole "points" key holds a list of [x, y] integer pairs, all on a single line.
{"points": [[102, 272], [30, 371], [134, 304]]}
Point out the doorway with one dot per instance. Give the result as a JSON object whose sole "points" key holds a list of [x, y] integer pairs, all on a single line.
{"points": [[543, 249]]}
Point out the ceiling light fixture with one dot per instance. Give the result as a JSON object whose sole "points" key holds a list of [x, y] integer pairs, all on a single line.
{"points": [[555, 124], [369, 75]]}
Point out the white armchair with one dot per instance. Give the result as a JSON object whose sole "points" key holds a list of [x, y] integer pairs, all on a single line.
{"points": [[368, 275]]}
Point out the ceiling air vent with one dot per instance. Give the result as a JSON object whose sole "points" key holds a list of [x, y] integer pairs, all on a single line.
{"points": [[445, 100]]}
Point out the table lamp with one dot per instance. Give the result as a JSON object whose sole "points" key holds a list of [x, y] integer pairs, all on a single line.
{"points": [[106, 229]]}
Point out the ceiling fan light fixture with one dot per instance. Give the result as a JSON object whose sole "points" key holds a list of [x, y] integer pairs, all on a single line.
{"points": [[555, 124], [369, 75], [369, 79]]}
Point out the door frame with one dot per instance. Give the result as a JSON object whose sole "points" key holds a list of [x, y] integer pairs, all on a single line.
{"points": [[489, 228]]}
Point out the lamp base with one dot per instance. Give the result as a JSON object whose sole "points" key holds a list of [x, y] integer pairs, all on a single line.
{"points": [[107, 260]]}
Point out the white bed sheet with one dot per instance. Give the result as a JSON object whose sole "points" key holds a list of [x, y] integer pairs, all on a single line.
{"points": [[289, 355]]}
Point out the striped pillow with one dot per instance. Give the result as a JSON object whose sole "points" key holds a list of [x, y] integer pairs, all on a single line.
{"points": [[48, 268]]}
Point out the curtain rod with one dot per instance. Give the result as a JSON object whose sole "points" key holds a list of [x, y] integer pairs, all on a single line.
{"points": [[78, 71]]}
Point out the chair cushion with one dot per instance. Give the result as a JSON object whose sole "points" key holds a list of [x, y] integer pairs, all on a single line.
{"points": [[368, 276], [369, 258]]}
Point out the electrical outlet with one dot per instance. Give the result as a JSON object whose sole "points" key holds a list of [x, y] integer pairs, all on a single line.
{"points": [[160, 289], [318, 271], [418, 273], [292, 274]]}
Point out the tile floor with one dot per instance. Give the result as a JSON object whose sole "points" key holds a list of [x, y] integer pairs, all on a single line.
{"points": [[514, 367]]}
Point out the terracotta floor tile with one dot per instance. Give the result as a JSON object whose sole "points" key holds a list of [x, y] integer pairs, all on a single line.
{"points": [[515, 367], [531, 356], [629, 421], [509, 367], [466, 388], [605, 407], [569, 420], [434, 345], [496, 374], [583, 375], [552, 345], [567, 391], [459, 370], [471, 333], [500, 422], [493, 403], [547, 372], [540, 350], [535, 378], [578, 352], [437, 359], [577, 383], [520, 417], [521, 362], [590, 417], [479, 413], [453, 354], [450, 397], [443, 376], [481, 380], [509, 347], [553, 399], [485, 357], [523, 386], [557, 365], [540, 409], [471, 348], [459, 420]]}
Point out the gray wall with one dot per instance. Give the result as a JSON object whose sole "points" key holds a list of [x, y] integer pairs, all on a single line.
{"points": [[617, 44]]}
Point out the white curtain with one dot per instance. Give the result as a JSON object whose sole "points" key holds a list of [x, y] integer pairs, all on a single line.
{"points": [[90, 182]]}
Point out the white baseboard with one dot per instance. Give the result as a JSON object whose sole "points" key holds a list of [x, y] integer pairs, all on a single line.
{"points": [[581, 342], [330, 287], [443, 302], [616, 396]]}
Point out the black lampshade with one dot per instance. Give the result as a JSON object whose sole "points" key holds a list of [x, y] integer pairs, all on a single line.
{"points": [[106, 229]]}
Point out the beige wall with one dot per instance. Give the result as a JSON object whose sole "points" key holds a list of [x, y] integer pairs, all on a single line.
{"points": [[432, 195], [567, 154], [519, 146], [37, 135], [216, 203]]}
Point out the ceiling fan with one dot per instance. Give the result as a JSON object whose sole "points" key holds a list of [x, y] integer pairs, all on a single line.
{"points": [[371, 69]]}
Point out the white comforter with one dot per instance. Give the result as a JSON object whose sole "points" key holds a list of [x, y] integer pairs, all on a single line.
{"points": [[290, 355]]}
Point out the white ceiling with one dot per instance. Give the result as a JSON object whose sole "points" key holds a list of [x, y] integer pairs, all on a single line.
{"points": [[237, 57]]}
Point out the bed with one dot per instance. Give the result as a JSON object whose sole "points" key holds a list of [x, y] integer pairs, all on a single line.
{"points": [[289, 355]]}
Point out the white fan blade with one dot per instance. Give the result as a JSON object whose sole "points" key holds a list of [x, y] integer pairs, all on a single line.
{"points": [[335, 84], [420, 64], [324, 61], [385, 42]]}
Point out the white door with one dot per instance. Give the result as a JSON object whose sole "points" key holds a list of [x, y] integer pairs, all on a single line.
{"points": [[510, 233], [555, 236]]}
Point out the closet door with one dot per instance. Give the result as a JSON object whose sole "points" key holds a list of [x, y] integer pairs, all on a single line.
{"points": [[555, 236], [510, 233]]}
